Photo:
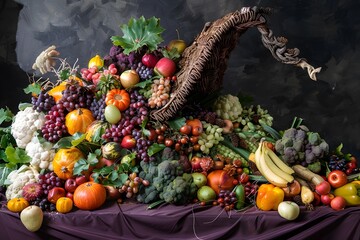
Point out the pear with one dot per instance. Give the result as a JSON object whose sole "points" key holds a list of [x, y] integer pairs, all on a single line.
{"points": [[32, 218]]}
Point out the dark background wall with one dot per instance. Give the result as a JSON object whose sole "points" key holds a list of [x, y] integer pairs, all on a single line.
{"points": [[325, 31]]}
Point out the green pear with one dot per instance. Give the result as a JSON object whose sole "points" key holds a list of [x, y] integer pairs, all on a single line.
{"points": [[32, 218]]}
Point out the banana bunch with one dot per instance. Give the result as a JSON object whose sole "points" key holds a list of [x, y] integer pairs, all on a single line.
{"points": [[272, 167]]}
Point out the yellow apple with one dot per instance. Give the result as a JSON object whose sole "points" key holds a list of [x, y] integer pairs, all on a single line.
{"points": [[179, 44]]}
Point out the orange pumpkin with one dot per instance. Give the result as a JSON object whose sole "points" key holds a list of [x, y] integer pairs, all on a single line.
{"points": [[64, 161], [89, 196], [118, 97], [220, 179], [17, 204], [64, 205], [56, 92], [78, 120]]}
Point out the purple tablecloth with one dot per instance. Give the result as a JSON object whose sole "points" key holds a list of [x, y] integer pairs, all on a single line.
{"points": [[134, 221]]}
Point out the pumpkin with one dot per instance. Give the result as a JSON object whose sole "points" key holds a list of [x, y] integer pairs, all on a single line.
{"points": [[89, 196], [64, 205], [17, 204], [56, 92], [95, 131], [220, 179], [78, 120], [118, 97], [111, 151], [64, 161]]}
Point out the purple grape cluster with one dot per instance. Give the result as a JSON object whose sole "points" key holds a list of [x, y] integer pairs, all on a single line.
{"points": [[337, 163], [142, 145], [97, 108], [137, 112], [44, 204], [227, 199], [49, 180], [54, 127], [76, 96], [43, 102], [250, 191], [143, 71]]}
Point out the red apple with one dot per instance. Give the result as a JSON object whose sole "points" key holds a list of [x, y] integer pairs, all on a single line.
{"points": [[128, 142], [55, 193], [149, 60], [338, 203], [81, 179], [327, 198], [195, 163], [323, 188], [70, 185], [337, 178], [70, 195], [129, 78], [165, 67]]}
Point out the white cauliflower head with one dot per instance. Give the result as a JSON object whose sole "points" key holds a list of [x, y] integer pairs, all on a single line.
{"points": [[41, 153], [17, 179], [25, 125]]}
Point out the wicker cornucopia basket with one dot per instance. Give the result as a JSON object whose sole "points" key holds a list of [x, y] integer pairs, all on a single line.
{"points": [[204, 62]]}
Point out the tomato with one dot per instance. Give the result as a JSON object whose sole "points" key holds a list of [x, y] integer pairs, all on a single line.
{"points": [[169, 142], [186, 129]]}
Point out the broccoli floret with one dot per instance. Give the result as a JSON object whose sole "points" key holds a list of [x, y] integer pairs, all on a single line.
{"points": [[324, 147], [315, 167], [298, 145], [289, 155], [180, 191], [148, 194], [287, 142], [314, 138], [316, 150], [300, 135], [309, 156], [169, 154], [169, 168], [290, 133]]}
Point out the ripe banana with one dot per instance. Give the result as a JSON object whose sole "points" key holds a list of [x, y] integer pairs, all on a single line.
{"points": [[278, 162], [258, 154], [269, 169]]}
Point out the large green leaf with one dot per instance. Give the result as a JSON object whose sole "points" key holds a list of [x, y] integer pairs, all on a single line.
{"points": [[139, 32]]}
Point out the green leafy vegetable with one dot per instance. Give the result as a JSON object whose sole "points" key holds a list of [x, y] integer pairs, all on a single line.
{"points": [[15, 155], [139, 32], [33, 88], [6, 115], [84, 164], [176, 124], [155, 148]]}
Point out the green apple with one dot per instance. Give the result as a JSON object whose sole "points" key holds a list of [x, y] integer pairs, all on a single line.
{"points": [[199, 179]]}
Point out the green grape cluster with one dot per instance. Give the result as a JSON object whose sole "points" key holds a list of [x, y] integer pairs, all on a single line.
{"points": [[228, 153], [252, 116], [210, 137], [228, 107]]}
